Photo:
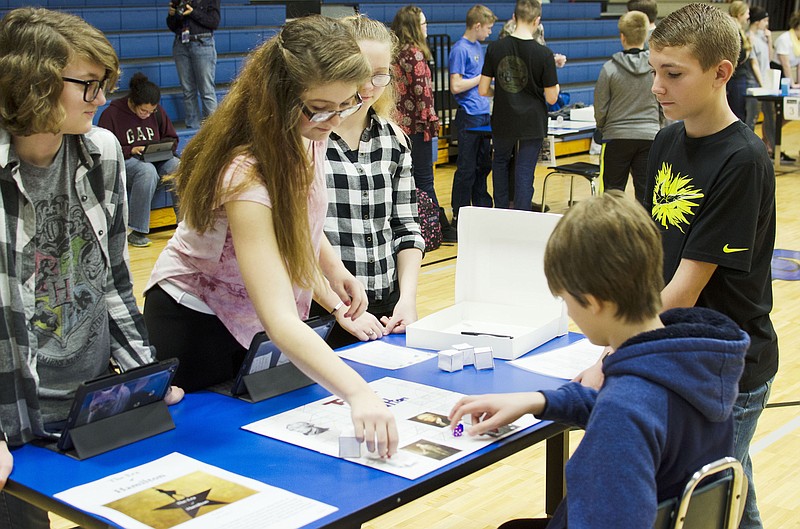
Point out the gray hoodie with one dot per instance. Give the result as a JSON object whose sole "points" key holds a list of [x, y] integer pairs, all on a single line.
{"points": [[624, 106]]}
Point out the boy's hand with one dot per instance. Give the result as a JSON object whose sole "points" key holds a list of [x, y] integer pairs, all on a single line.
{"points": [[490, 412], [593, 376], [6, 464]]}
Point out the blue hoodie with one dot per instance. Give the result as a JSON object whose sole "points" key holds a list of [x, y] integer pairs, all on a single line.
{"points": [[663, 412]]}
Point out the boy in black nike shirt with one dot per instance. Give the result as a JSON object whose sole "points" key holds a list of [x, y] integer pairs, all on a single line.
{"points": [[711, 190]]}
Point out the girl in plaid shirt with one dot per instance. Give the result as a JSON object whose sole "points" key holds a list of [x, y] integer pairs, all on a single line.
{"points": [[372, 207]]}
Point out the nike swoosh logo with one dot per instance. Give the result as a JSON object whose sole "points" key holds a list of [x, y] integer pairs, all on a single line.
{"points": [[727, 249]]}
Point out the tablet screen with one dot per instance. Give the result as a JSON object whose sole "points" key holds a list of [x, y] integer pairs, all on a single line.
{"points": [[122, 397]]}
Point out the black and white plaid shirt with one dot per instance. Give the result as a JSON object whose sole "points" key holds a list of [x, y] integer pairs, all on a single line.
{"points": [[372, 205]]}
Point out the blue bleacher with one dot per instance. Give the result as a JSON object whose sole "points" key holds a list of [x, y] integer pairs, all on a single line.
{"points": [[137, 31]]}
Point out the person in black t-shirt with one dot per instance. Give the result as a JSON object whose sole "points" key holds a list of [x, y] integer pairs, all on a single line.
{"points": [[525, 81], [711, 190]]}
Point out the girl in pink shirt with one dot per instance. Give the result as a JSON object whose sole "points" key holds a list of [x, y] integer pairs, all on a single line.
{"points": [[249, 252]]}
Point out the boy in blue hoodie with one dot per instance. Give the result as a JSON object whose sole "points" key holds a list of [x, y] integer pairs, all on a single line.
{"points": [[664, 409]]}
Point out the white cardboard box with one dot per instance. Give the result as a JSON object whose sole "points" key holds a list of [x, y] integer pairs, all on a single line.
{"points": [[500, 286], [582, 114]]}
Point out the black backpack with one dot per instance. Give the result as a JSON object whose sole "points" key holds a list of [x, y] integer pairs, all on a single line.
{"points": [[429, 221]]}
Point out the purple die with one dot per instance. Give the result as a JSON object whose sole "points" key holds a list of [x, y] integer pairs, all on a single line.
{"points": [[458, 431]]}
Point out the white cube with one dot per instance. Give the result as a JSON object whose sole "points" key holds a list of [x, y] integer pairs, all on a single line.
{"points": [[451, 360], [349, 446], [468, 351], [484, 358]]}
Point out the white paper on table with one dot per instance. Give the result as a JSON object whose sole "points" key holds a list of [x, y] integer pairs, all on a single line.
{"points": [[565, 362], [178, 491], [426, 441], [385, 355]]}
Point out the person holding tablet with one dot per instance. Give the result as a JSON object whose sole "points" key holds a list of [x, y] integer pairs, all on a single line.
{"points": [[250, 249], [66, 297], [137, 121], [368, 167]]}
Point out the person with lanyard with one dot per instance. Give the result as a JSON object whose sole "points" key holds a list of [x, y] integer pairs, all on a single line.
{"points": [[195, 54]]}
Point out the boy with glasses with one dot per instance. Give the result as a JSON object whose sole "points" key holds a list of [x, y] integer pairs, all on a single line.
{"points": [[66, 299]]}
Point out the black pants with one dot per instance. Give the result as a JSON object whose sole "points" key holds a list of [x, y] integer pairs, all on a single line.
{"points": [[207, 351], [620, 157], [19, 514]]}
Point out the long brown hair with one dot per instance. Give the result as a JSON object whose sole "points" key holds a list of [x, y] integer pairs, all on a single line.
{"points": [[259, 117], [408, 29]]}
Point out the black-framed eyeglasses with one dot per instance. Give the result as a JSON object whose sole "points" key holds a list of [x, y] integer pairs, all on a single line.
{"points": [[91, 89], [380, 80], [325, 115]]}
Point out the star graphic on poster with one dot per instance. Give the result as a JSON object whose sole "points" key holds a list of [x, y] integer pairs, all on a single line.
{"points": [[189, 504]]}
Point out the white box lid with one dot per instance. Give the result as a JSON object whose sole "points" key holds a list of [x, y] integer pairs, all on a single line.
{"points": [[501, 256]]}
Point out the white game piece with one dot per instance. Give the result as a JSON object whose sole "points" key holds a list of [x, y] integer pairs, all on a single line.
{"points": [[349, 447], [484, 358], [468, 352], [451, 360]]}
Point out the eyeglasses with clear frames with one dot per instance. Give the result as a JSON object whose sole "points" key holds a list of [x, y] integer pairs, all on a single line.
{"points": [[379, 80], [91, 89], [325, 115]]}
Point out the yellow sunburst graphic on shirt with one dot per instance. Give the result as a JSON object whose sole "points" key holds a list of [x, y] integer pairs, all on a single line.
{"points": [[674, 198]]}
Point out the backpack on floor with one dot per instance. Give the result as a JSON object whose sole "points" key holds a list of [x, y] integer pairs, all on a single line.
{"points": [[429, 221]]}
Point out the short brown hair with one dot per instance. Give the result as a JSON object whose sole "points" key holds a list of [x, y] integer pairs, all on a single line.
{"points": [[794, 20], [527, 10], [648, 7], [710, 34], [633, 26], [608, 247], [479, 14], [35, 47]]}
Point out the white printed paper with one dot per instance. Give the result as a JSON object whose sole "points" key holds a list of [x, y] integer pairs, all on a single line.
{"points": [[178, 491], [565, 362], [384, 355], [426, 441]]}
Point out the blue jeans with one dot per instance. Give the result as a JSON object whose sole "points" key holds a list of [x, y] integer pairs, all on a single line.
{"points": [[19, 514], [422, 161], [524, 167], [473, 165], [141, 183], [196, 62], [746, 411]]}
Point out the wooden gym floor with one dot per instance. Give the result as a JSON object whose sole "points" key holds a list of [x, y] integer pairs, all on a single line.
{"points": [[514, 487]]}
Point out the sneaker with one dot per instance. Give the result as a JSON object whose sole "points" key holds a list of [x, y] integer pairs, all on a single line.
{"points": [[786, 158], [535, 206], [138, 239]]}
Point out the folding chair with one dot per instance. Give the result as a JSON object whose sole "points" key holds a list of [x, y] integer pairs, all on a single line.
{"points": [[718, 505], [589, 171]]}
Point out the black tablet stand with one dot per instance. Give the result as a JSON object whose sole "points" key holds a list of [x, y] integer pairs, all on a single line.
{"points": [[274, 381], [113, 432]]}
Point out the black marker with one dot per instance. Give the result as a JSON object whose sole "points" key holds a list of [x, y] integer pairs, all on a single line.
{"points": [[472, 333]]}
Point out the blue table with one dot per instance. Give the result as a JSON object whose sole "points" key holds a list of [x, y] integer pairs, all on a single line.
{"points": [[208, 429]]}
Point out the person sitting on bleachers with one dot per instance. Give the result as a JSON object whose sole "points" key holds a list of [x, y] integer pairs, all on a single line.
{"points": [[137, 121]]}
